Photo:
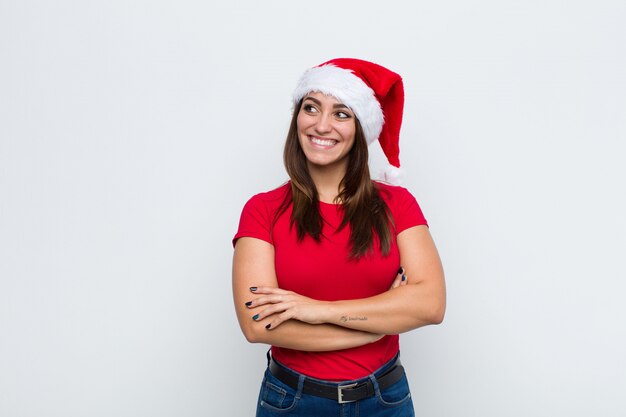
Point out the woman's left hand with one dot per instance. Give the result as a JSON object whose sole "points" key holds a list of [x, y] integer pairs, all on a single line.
{"points": [[285, 305], [400, 279]]}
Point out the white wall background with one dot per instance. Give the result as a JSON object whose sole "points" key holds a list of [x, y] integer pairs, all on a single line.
{"points": [[132, 132]]}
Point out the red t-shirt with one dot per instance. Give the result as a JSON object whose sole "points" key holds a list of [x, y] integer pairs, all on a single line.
{"points": [[322, 271]]}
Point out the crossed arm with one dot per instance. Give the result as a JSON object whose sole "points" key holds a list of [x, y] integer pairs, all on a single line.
{"points": [[283, 318]]}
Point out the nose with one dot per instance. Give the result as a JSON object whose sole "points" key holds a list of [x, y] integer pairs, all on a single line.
{"points": [[324, 123]]}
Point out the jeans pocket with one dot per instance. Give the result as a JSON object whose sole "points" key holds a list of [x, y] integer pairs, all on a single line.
{"points": [[395, 395], [276, 396]]}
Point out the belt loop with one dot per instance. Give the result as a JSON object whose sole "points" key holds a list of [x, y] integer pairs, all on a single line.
{"points": [[301, 379], [375, 384], [269, 357]]}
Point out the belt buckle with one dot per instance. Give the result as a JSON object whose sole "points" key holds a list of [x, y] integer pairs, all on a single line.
{"points": [[340, 389]]}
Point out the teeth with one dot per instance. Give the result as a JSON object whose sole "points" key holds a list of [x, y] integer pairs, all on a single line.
{"points": [[323, 142]]}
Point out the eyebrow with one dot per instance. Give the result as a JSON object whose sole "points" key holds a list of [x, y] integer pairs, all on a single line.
{"points": [[319, 103]]}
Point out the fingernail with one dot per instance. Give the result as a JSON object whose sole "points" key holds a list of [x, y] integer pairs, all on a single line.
{"points": [[253, 289], [255, 317], [249, 303], [403, 277], [268, 326], [400, 271]]}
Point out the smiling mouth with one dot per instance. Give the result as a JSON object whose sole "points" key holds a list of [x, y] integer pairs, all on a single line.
{"points": [[326, 143]]}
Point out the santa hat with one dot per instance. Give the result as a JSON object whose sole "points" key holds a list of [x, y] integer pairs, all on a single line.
{"points": [[375, 95]]}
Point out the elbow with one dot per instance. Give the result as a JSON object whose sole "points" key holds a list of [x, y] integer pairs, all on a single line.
{"points": [[437, 313], [437, 317], [437, 308], [252, 334], [431, 314], [252, 330]]}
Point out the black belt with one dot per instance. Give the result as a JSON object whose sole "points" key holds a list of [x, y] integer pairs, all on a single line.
{"points": [[342, 393]]}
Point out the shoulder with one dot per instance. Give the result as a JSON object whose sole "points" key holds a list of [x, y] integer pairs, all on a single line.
{"points": [[402, 205], [270, 199], [258, 213], [392, 193]]}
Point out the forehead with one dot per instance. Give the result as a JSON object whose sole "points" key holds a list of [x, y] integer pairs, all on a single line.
{"points": [[324, 98]]}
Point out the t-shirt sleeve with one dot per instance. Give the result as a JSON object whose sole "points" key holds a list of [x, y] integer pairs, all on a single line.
{"points": [[255, 221], [406, 211]]}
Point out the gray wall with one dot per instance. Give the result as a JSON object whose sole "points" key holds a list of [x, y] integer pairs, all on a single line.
{"points": [[132, 133]]}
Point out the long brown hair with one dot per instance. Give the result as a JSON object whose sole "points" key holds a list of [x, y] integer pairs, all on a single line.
{"points": [[363, 208]]}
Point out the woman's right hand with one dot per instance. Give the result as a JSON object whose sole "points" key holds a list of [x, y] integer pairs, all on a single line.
{"points": [[253, 265], [399, 280]]}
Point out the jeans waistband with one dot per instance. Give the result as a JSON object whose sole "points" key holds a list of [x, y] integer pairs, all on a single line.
{"points": [[342, 392]]}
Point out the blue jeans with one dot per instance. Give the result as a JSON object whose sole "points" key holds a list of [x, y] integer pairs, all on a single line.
{"points": [[278, 399]]}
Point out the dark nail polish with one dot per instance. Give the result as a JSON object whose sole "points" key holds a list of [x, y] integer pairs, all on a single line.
{"points": [[403, 277], [249, 303], [255, 317], [400, 271], [268, 326], [253, 289]]}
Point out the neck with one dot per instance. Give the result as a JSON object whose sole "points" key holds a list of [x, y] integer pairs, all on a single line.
{"points": [[327, 180]]}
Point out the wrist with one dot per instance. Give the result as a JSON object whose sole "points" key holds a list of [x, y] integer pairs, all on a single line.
{"points": [[335, 313], [327, 312]]}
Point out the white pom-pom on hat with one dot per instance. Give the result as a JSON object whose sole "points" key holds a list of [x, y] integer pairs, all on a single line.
{"points": [[392, 175]]}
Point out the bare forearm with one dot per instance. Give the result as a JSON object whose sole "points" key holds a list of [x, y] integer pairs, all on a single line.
{"points": [[419, 303], [297, 335], [396, 311], [253, 265]]}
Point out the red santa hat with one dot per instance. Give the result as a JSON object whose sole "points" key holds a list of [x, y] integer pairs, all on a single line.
{"points": [[375, 95]]}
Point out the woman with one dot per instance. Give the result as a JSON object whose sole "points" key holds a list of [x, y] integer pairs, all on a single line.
{"points": [[329, 268]]}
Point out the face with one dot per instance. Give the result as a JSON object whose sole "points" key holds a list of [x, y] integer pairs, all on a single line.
{"points": [[326, 130]]}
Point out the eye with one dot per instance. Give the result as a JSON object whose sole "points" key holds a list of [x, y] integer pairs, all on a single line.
{"points": [[343, 115], [309, 108]]}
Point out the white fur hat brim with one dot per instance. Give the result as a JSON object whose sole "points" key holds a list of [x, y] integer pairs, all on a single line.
{"points": [[347, 88]]}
